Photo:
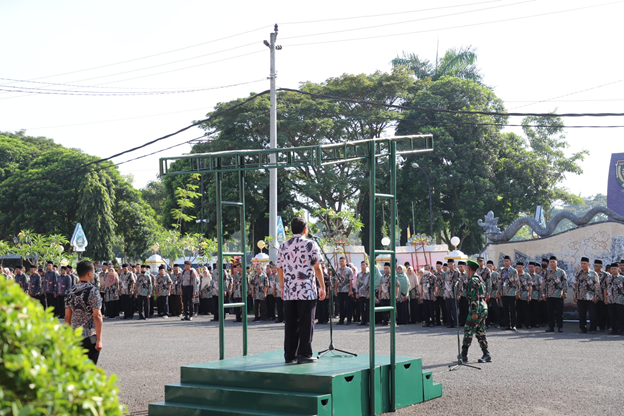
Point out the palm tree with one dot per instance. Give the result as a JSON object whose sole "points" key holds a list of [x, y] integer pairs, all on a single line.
{"points": [[460, 63]]}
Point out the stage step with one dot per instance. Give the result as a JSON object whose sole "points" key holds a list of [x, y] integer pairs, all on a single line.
{"points": [[431, 389], [180, 409], [251, 399]]}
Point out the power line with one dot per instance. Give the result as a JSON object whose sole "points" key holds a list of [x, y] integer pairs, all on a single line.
{"points": [[214, 115], [451, 27], [114, 94], [386, 14], [572, 93], [407, 21]]}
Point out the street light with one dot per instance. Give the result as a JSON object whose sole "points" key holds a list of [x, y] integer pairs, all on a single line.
{"points": [[417, 166]]}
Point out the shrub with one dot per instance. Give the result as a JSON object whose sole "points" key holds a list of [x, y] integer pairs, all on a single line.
{"points": [[43, 368]]}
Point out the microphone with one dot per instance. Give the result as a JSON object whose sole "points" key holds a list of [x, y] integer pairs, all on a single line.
{"points": [[310, 235]]}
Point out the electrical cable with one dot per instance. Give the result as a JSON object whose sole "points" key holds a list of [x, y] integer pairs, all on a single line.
{"points": [[451, 27], [406, 21], [214, 115], [572, 93], [116, 94]]}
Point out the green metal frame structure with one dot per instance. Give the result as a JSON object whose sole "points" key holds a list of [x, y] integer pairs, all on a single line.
{"points": [[237, 162]]}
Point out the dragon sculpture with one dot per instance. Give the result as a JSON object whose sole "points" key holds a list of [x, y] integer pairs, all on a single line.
{"points": [[494, 234]]}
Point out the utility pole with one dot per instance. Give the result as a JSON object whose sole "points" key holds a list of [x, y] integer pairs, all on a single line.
{"points": [[273, 145]]}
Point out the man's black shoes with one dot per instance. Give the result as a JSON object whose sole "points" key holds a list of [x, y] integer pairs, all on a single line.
{"points": [[487, 358], [306, 360], [550, 330]]}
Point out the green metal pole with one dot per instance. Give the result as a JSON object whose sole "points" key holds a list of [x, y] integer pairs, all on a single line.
{"points": [[241, 192], [220, 266], [393, 216], [371, 268]]}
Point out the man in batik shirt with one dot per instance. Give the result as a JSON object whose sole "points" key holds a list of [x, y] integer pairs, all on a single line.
{"points": [[344, 290], [385, 291], [163, 287], [493, 293], [439, 304], [143, 290], [260, 288], [523, 297], [536, 295], [428, 291], [509, 287], [299, 268], [556, 284], [451, 278], [602, 313], [362, 293]]}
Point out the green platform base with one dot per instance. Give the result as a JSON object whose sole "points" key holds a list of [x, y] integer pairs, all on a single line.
{"points": [[263, 384]]}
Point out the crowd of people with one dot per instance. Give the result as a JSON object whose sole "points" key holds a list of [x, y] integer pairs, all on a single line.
{"points": [[434, 296]]}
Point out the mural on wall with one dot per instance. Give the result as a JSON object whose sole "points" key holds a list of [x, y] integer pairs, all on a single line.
{"points": [[615, 192]]}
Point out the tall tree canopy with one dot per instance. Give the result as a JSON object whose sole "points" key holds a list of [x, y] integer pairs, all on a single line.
{"points": [[456, 62]]}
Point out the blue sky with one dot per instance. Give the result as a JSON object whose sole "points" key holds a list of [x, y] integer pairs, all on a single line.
{"points": [[526, 59]]}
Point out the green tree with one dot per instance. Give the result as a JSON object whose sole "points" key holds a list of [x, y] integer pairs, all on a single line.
{"points": [[155, 195], [458, 63], [15, 155], [95, 197], [475, 167]]}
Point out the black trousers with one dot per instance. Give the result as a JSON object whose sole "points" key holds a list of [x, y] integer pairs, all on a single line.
{"points": [[402, 312], [299, 328], [509, 312], [428, 312], [439, 311], [143, 306], [127, 304], [493, 312], [51, 302], [60, 306], [112, 308], [534, 311], [238, 311], [585, 306], [187, 300], [270, 304], [363, 307], [215, 307], [385, 316], [279, 304], [463, 310], [555, 312], [345, 305], [163, 305], [451, 312], [619, 312], [175, 305], [524, 316], [602, 315], [414, 311], [92, 353]]}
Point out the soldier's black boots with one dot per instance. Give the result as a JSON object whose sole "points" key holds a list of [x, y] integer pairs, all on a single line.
{"points": [[486, 357], [464, 354]]}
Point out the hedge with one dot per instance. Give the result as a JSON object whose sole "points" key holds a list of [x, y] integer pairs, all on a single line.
{"points": [[43, 368]]}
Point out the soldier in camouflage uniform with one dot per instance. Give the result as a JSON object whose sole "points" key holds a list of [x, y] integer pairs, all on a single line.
{"points": [[451, 277], [439, 305], [477, 313], [493, 292], [586, 289], [509, 287], [556, 285]]}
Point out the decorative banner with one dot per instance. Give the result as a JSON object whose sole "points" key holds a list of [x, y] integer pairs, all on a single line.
{"points": [[615, 195], [281, 233], [79, 240]]}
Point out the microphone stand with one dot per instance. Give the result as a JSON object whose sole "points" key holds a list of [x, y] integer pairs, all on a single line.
{"points": [[330, 348], [460, 363]]}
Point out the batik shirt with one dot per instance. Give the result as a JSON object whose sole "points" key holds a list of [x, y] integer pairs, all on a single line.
{"points": [[363, 284], [414, 292], [344, 277], [144, 285], [610, 283], [450, 278], [64, 284], [495, 284], [271, 278], [22, 281], [485, 275], [50, 278], [603, 276], [427, 281], [475, 294], [462, 285], [618, 289], [297, 258], [176, 281], [556, 282], [237, 286], [205, 281], [439, 282], [536, 286], [384, 287], [510, 283], [34, 286], [525, 283], [111, 293], [101, 278], [163, 284], [83, 299], [127, 281], [260, 281], [586, 285], [278, 286]]}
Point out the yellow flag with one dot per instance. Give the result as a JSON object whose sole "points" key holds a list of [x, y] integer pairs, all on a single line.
{"points": [[408, 233]]}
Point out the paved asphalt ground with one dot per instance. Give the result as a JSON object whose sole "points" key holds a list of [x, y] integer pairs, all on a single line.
{"points": [[532, 372]]}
